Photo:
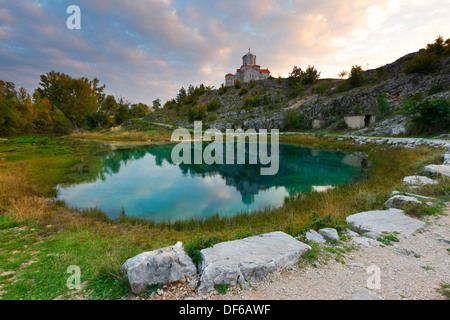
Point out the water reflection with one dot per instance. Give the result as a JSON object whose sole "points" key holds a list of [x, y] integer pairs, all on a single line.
{"points": [[146, 183]]}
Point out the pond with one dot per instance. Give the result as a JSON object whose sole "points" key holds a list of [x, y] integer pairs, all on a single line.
{"points": [[143, 182]]}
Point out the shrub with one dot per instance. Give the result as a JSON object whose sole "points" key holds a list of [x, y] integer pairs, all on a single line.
{"points": [[322, 88], [278, 96], [339, 125], [223, 89], [356, 76], [292, 120], [237, 84], [383, 106], [317, 222], [427, 60], [212, 118], [429, 116], [423, 63], [243, 91], [343, 86], [213, 105], [251, 100], [197, 113], [380, 73]]}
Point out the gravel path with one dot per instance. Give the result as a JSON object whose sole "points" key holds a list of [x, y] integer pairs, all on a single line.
{"points": [[415, 276]]}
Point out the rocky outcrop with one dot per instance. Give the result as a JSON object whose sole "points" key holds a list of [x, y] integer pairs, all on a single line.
{"points": [[438, 169], [400, 201], [314, 237], [247, 260], [329, 234], [385, 221], [418, 181], [162, 266], [228, 263]]}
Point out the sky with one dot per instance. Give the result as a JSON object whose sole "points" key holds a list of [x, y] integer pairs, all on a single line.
{"points": [[147, 49]]}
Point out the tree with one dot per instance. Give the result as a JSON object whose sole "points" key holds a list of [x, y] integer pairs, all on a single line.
{"points": [[296, 73], [156, 103], [181, 95], [109, 105], [123, 112], [342, 74], [139, 110], [76, 98], [311, 75], [356, 76]]}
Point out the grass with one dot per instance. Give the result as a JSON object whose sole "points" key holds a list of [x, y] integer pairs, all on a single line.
{"points": [[388, 239], [41, 238]]}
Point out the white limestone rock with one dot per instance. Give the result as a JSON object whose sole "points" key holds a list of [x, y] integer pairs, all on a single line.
{"points": [[418, 180], [439, 169], [400, 201], [447, 158], [248, 260], [329, 234], [381, 221], [315, 237], [162, 266]]}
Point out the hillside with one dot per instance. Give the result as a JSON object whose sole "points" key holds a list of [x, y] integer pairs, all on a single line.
{"points": [[280, 103]]}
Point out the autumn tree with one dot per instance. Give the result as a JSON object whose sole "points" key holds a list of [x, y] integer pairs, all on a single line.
{"points": [[75, 97]]}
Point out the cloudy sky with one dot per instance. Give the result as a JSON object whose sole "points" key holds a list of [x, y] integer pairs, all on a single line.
{"points": [[148, 49]]}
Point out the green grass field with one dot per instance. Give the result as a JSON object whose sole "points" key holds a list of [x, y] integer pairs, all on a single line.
{"points": [[41, 238]]}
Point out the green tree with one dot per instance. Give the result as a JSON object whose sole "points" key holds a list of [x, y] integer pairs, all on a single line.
{"points": [[76, 98], [139, 110], [123, 112], [156, 104], [429, 116], [311, 75], [356, 76], [109, 105]]}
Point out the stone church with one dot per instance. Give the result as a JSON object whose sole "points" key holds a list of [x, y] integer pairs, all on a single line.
{"points": [[248, 71]]}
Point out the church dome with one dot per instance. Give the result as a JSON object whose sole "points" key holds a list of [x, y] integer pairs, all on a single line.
{"points": [[249, 59]]}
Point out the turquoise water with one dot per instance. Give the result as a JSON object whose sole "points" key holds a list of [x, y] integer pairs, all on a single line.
{"points": [[146, 184]]}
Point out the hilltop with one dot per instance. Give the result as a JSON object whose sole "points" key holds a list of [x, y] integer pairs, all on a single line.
{"points": [[393, 93]]}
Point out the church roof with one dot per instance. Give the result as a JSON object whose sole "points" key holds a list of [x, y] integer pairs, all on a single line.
{"points": [[264, 70], [250, 65]]}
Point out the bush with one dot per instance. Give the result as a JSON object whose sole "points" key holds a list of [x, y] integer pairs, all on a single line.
{"points": [[243, 91], [213, 105], [356, 76], [383, 106], [223, 89], [322, 88], [380, 73], [197, 113], [429, 116], [292, 120], [342, 86], [237, 84], [427, 60], [339, 125], [423, 63]]}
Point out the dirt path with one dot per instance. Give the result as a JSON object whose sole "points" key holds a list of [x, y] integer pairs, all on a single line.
{"points": [[415, 276]]}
